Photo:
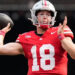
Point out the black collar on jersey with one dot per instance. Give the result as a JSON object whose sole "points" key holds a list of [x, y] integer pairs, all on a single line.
{"points": [[38, 34]]}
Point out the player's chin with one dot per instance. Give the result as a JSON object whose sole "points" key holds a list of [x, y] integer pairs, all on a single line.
{"points": [[45, 23]]}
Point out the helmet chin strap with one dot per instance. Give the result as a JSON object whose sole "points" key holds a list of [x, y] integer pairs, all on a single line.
{"points": [[44, 26]]}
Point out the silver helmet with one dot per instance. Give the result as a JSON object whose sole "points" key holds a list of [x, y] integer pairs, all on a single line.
{"points": [[43, 5]]}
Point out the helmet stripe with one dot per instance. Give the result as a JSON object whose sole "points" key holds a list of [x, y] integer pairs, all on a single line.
{"points": [[45, 2]]}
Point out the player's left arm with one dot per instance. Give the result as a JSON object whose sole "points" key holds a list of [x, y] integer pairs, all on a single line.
{"points": [[66, 39], [69, 46]]}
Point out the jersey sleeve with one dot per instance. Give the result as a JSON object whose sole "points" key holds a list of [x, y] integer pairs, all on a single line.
{"points": [[68, 32], [21, 40], [18, 39]]}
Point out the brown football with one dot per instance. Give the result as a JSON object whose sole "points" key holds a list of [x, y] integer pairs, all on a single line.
{"points": [[4, 20]]}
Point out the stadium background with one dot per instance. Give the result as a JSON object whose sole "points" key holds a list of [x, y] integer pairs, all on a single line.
{"points": [[19, 11]]}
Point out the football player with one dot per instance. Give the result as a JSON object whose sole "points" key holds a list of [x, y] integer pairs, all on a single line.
{"points": [[43, 48]]}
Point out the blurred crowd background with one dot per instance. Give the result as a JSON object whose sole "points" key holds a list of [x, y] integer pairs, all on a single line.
{"points": [[19, 11]]}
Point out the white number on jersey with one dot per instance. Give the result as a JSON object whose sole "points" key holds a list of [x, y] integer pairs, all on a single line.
{"points": [[44, 57]]}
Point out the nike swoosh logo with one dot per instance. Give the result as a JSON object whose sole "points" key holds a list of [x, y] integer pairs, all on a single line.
{"points": [[53, 32]]}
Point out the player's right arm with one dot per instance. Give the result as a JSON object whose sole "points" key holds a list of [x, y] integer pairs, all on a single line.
{"points": [[11, 49]]}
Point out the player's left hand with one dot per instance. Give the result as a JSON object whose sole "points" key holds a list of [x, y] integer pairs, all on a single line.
{"points": [[62, 26]]}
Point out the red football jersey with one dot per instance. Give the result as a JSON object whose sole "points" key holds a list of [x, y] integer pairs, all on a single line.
{"points": [[45, 54]]}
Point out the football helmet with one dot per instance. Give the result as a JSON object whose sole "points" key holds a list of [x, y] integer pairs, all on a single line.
{"points": [[43, 5]]}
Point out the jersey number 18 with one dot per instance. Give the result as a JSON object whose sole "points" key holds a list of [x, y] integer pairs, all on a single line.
{"points": [[44, 57]]}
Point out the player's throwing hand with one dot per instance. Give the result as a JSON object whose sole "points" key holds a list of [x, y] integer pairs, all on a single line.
{"points": [[7, 28]]}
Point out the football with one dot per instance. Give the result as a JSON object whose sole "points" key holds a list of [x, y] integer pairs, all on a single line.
{"points": [[4, 20]]}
